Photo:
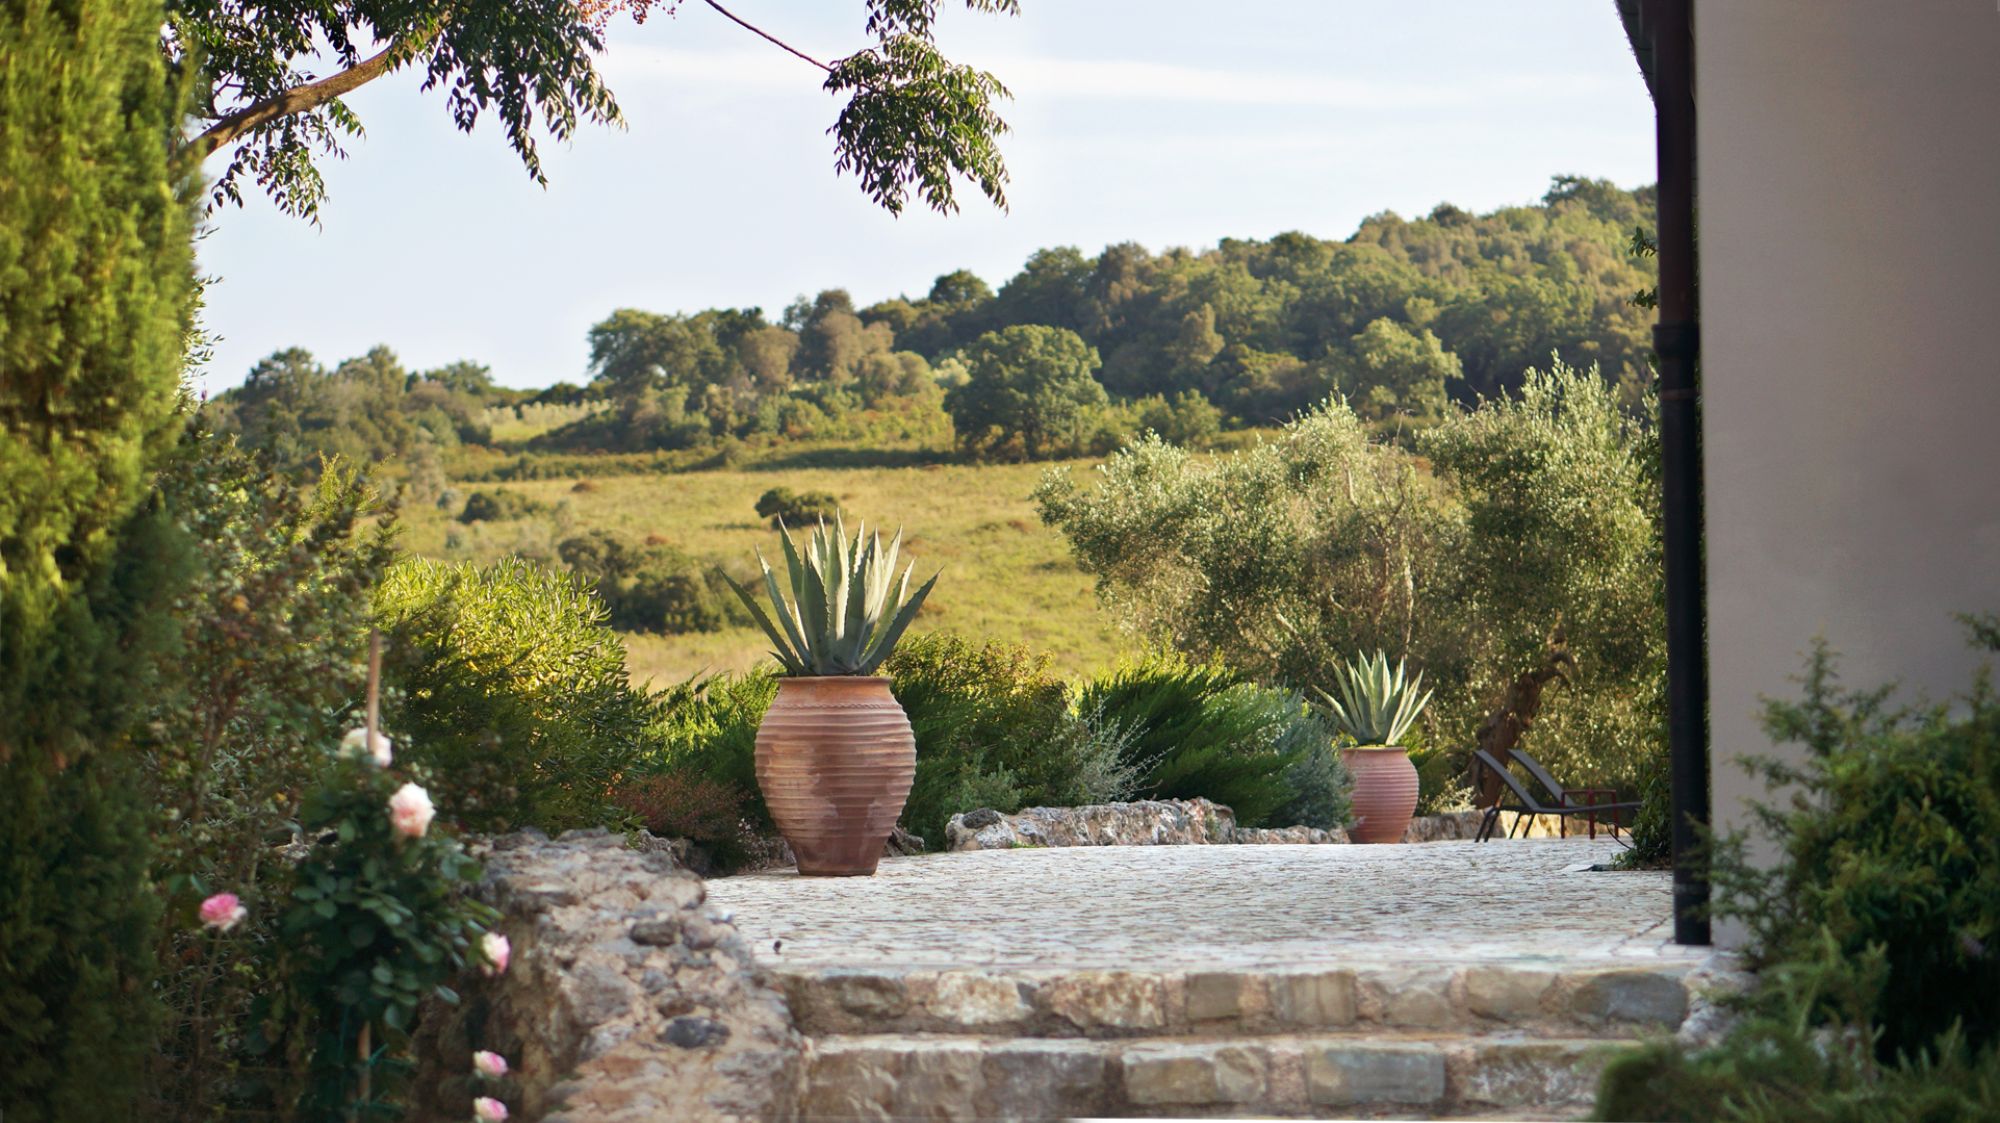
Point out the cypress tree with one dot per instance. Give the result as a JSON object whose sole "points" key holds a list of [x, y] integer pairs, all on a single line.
{"points": [[96, 268]]}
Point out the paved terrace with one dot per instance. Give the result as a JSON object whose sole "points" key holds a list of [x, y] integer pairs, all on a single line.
{"points": [[1525, 903]]}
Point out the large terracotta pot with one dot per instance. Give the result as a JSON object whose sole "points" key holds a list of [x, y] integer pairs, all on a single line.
{"points": [[835, 757], [1385, 792]]}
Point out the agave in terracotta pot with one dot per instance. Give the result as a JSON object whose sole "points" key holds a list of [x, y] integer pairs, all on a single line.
{"points": [[835, 754], [1376, 706]]}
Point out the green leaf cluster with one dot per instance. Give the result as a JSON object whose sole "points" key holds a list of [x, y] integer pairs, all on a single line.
{"points": [[1201, 731], [377, 923]]}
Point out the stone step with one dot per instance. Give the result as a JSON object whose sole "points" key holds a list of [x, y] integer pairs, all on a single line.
{"points": [[902, 1077], [1596, 1001]]}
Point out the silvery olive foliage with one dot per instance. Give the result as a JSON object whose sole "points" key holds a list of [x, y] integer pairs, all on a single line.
{"points": [[1513, 518]]}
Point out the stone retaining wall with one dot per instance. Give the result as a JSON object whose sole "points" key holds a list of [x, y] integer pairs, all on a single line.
{"points": [[628, 998], [1193, 822]]}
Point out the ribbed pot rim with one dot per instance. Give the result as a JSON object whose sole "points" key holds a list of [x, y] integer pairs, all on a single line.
{"points": [[832, 680], [1376, 749]]}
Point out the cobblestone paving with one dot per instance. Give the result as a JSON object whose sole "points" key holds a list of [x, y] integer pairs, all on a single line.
{"points": [[1193, 907]]}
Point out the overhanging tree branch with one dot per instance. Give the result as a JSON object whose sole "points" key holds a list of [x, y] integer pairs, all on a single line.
{"points": [[300, 99], [767, 36]]}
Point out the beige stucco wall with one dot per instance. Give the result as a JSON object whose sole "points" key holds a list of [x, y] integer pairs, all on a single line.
{"points": [[1850, 240]]}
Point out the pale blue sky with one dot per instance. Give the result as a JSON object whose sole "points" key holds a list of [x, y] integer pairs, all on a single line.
{"points": [[1165, 122]]}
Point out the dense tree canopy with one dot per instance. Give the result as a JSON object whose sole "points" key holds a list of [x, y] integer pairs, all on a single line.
{"points": [[1029, 383], [1400, 320], [913, 121]]}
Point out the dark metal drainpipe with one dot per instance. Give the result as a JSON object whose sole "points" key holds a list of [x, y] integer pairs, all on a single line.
{"points": [[1677, 341]]}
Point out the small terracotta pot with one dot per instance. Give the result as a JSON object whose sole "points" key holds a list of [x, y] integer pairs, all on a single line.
{"points": [[835, 758], [1385, 792]]}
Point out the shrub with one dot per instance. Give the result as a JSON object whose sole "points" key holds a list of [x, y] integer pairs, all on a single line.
{"points": [[651, 587], [96, 276], [378, 921], [1203, 733], [508, 681], [1872, 936], [784, 507], [699, 780], [262, 683], [708, 727], [496, 505], [712, 814], [995, 727]]}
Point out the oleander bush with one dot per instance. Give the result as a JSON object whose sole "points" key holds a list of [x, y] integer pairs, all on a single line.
{"points": [[506, 679], [1875, 936]]}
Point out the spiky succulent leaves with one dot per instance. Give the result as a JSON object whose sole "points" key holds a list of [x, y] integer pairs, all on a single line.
{"points": [[781, 649], [1377, 705], [840, 618], [886, 643]]}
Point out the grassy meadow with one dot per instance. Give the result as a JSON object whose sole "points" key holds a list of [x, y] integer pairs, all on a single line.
{"points": [[1006, 576]]}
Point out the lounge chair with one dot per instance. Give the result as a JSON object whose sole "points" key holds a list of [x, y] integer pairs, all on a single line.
{"points": [[1528, 805], [1591, 798]]}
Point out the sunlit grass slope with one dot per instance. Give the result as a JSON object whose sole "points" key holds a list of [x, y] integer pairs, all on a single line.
{"points": [[1006, 576]]}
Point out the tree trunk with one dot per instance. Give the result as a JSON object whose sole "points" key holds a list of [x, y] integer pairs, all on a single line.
{"points": [[1519, 705]]}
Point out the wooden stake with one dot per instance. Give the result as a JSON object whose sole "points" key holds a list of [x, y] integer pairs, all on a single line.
{"points": [[374, 686]]}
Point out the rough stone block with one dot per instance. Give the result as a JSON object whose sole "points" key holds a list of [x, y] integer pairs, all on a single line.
{"points": [[1367, 1074], [1044, 1080], [1506, 993], [944, 1083], [970, 998], [1321, 999], [1215, 995], [865, 994], [849, 1084], [1636, 997], [1113, 1000], [1194, 1074], [1508, 1074]]}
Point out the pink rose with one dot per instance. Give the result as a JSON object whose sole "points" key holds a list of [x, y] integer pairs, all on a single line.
{"points": [[489, 1064], [497, 951], [488, 1109], [223, 912], [410, 811], [356, 743]]}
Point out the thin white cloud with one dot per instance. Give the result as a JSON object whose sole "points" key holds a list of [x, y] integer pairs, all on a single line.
{"points": [[1033, 79]]}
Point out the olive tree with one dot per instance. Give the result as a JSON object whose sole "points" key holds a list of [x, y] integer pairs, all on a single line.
{"points": [[1516, 561]]}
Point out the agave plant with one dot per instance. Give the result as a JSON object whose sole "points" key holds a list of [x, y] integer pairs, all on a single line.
{"points": [[1376, 705], [840, 618]]}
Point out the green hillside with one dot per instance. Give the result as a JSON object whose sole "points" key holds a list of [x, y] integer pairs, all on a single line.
{"points": [[1007, 577]]}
